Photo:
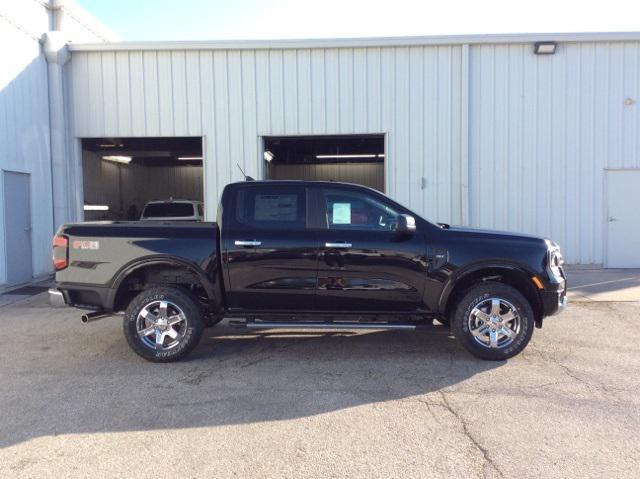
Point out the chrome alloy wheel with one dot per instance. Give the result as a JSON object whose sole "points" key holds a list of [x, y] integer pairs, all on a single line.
{"points": [[161, 325], [494, 323]]}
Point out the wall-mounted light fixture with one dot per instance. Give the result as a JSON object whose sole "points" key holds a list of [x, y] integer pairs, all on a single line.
{"points": [[544, 48], [118, 159], [190, 158], [268, 156], [96, 208]]}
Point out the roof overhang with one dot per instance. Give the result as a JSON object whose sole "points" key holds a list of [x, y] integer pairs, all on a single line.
{"points": [[358, 42]]}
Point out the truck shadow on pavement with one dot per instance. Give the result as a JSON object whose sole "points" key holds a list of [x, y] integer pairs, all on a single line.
{"points": [[90, 382]]}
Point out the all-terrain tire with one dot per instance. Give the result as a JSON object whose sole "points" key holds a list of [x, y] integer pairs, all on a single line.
{"points": [[180, 307], [509, 299]]}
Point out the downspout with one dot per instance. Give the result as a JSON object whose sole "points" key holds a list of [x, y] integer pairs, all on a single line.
{"points": [[57, 55]]}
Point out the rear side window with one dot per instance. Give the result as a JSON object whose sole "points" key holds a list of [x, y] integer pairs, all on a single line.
{"points": [[168, 210], [271, 208]]}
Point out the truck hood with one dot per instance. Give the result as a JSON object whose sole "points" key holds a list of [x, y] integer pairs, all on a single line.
{"points": [[477, 232]]}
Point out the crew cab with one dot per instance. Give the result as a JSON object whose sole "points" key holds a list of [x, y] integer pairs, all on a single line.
{"points": [[298, 254]]}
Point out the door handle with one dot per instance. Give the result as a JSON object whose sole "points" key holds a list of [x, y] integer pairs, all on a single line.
{"points": [[249, 243], [338, 245]]}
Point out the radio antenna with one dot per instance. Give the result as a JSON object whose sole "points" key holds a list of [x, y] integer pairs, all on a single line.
{"points": [[246, 178]]}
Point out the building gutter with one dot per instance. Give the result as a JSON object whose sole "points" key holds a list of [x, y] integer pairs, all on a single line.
{"points": [[359, 42]]}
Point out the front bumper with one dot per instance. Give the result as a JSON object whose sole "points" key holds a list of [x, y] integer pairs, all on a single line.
{"points": [[554, 297], [56, 298]]}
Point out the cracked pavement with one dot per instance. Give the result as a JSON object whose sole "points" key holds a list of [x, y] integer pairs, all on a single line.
{"points": [[76, 401]]}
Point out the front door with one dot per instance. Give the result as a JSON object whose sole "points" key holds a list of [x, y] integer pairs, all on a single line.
{"points": [[270, 255], [623, 219], [363, 264], [17, 227]]}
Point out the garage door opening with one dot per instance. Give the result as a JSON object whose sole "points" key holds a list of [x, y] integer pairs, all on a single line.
{"points": [[122, 175], [352, 159]]}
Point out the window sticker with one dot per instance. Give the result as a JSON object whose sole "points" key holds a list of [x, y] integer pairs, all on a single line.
{"points": [[341, 214]]}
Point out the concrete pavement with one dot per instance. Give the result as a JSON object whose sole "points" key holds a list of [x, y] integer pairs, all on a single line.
{"points": [[76, 402], [603, 284]]}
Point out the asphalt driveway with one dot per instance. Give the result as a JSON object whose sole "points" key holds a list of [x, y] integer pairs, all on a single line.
{"points": [[76, 402]]}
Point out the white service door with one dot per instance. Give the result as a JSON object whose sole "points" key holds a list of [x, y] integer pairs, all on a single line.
{"points": [[623, 221]]}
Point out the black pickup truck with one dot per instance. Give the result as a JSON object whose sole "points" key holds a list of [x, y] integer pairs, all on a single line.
{"points": [[320, 255]]}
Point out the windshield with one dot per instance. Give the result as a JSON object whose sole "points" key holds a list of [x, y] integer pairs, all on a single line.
{"points": [[168, 210]]}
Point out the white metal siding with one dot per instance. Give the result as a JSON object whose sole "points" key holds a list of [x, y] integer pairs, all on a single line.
{"points": [[24, 125], [234, 97], [543, 128], [368, 174], [503, 138], [24, 115]]}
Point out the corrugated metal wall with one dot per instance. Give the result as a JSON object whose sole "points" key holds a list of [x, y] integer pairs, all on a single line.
{"points": [[24, 114], [24, 125], [368, 174], [543, 128], [232, 98], [503, 138]]}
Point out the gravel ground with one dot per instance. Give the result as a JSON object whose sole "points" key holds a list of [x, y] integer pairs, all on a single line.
{"points": [[76, 402]]}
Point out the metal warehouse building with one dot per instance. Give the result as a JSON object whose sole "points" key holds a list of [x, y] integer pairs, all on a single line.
{"points": [[485, 131]]}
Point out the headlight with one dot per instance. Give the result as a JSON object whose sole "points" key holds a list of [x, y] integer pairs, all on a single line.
{"points": [[554, 260]]}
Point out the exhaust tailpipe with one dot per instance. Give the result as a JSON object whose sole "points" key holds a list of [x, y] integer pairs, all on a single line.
{"points": [[92, 316]]}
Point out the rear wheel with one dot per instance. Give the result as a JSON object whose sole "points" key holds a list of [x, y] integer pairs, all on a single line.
{"points": [[493, 321], [163, 324]]}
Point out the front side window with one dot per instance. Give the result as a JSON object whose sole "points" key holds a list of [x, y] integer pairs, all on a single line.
{"points": [[271, 208], [354, 210]]}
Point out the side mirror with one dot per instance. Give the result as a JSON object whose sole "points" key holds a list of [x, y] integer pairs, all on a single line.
{"points": [[405, 226]]}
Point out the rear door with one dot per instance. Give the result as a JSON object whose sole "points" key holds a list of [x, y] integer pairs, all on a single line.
{"points": [[363, 265], [269, 252]]}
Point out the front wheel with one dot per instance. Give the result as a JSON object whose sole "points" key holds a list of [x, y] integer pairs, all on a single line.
{"points": [[163, 324], [493, 321]]}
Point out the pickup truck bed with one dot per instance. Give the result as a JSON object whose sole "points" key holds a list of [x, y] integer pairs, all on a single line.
{"points": [[103, 254]]}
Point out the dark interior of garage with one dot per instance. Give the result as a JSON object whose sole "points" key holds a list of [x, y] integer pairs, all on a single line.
{"points": [[347, 158], [122, 174]]}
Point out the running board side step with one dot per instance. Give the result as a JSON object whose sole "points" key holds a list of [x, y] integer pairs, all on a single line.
{"points": [[317, 325]]}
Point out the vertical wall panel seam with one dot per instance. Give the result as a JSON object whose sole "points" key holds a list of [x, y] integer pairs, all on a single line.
{"points": [[353, 90], [465, 107], [157, 62], [186, 94], [216, 138], [243, 159], [367, 124], [452, 176], [324, 84], [102, 97], [144, 96], [507, 136], [436, 124], [423, 146], [116, 127], [594, 160], [130, 96]]}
